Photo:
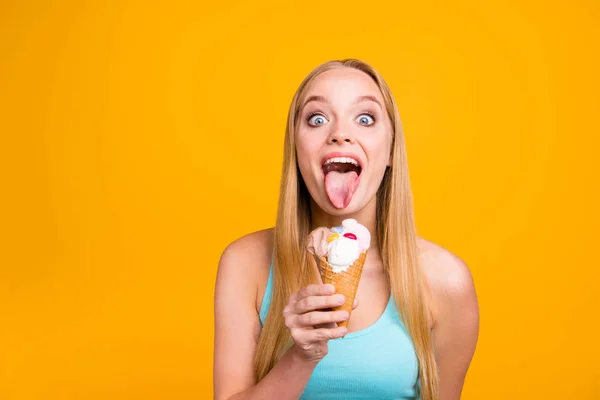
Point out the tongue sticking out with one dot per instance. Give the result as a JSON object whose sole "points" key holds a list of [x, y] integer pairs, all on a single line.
{"points": [[340, 186]]}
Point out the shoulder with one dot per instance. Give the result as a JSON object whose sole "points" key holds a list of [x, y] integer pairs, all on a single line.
{"points": [[236, 320], [454, 312], [249, 255], [446, 272], [449, 278], [244, 264], [249, 247]]}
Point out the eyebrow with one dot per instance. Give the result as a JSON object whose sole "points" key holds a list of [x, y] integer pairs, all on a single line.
{"points": [[358, 100]]}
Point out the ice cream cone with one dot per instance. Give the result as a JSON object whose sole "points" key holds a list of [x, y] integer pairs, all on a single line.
{"points": [[345, 282]]}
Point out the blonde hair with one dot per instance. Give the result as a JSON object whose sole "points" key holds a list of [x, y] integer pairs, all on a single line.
{"points": [[395, 229]]}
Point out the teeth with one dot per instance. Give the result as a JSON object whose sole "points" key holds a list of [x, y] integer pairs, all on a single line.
{"points": [[342, 160]]}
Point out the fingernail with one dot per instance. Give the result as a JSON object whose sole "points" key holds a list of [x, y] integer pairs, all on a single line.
{"points": [[330, 288], [345, 314]]}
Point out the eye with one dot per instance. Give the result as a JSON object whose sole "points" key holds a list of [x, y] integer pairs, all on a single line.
{"points": [[366, 119], [316, 119]]}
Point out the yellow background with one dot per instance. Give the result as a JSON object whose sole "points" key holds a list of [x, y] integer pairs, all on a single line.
{"points": [[139, 138]]}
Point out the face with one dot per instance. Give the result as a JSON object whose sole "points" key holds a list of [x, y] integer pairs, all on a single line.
{"points": [[343, 140]]}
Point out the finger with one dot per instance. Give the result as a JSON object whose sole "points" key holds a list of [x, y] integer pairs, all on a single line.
{"points": [[311, 303], [320, 317], [305, 337], [318, 289], [317, 335], [327, 325], [355, 304], [293, 298]]}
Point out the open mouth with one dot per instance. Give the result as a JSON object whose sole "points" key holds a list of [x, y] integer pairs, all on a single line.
{"points": [[342, 175], [343, 165]]}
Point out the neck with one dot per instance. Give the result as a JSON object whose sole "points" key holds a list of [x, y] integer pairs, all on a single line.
{"points": [[366, 216]]}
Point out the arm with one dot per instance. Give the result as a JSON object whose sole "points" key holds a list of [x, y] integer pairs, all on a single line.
{"points": [[237, 328], [286, 380], [456, 327]]}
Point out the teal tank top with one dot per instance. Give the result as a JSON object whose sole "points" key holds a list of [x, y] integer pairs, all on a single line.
{"points": [[378, 362]]}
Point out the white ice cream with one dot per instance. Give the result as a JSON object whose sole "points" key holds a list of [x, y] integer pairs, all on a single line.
{"points": [[342, 253]]}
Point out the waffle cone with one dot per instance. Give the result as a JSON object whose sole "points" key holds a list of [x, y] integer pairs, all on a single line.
{"points": [[345, 282]]}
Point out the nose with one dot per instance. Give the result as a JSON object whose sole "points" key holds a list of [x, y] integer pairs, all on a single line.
{"points": [[340, 135]]}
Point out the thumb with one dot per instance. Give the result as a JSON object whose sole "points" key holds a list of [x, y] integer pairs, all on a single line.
{"points": [[355, 304]]}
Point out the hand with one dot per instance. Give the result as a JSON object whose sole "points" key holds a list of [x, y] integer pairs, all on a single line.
{"points": [[311, 322]]}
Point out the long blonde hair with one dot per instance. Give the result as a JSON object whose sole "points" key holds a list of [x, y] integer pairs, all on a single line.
{"points": [[395, 229]]}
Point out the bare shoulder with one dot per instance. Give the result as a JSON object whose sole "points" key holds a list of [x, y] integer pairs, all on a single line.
{"points": [[236, 320], [245, 261], [455, 315], [445, 271], [251, 248], [449, 277]]}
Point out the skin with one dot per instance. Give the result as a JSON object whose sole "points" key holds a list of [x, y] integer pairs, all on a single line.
{"points": [[339, 125]]}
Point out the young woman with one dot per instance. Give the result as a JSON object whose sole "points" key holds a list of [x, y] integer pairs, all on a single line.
{"points": [[415, 323]]}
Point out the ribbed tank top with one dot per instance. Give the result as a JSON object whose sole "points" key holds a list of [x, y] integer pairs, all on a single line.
{"points": [[378, 362]]}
